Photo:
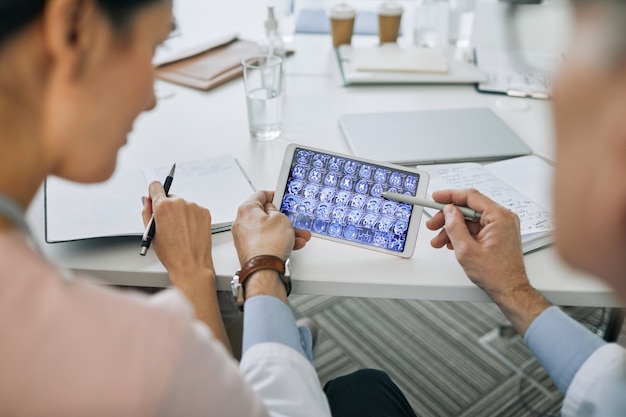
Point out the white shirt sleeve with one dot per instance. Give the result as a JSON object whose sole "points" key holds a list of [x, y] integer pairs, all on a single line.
{"points": [[598, 387], [272, 377], [285, 380]]}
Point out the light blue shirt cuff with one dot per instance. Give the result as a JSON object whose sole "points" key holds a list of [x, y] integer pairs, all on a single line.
{"points": [[561, 345], [267, 319]]}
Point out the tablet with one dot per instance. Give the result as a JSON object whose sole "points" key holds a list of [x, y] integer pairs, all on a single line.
{"points": [[338, 197]]}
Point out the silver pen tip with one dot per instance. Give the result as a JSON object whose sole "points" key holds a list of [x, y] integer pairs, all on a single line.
{"points": [[143, 251], [171, 174]]}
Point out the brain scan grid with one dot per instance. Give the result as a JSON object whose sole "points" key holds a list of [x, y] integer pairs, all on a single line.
{"points": [[341, 198]]}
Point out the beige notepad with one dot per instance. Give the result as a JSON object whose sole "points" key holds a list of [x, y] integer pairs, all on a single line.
{"points": [[210, 68], [203, 63], [392, 58]]}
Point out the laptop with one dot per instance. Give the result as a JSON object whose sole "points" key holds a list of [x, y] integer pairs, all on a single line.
{"points": [[431, 136]]}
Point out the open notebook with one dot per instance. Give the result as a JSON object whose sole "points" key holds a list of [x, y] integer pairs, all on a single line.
{"points": [[113, 208], [523, 185]]}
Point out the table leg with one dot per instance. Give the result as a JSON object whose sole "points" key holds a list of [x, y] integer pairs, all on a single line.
{"points": [[614, 326]]}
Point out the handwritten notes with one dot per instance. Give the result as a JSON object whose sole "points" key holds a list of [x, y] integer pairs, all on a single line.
{"points": [[524, 173]]}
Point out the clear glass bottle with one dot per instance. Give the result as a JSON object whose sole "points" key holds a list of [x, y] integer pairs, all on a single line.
{"points": [[272, 43], [426, 21]]}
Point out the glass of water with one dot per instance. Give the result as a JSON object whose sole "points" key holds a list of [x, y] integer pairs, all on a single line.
{"points": [[460, 22], [262, 77], [426, 20]]}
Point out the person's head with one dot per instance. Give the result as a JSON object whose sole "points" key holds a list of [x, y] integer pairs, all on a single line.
{"points": [[589, 108], [74, 75]]}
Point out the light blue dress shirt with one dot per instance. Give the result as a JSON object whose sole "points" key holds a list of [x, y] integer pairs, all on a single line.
{"points": [[561, 345], [267, 319]]}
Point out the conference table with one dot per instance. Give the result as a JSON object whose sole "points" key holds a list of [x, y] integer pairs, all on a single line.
{"points": [[188, 125]]}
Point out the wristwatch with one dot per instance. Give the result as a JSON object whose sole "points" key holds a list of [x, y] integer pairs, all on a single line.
{"points": [[255, 264]]}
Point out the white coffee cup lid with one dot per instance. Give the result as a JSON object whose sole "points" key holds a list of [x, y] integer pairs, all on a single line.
{"points": [[390, 9], [342, 11]]}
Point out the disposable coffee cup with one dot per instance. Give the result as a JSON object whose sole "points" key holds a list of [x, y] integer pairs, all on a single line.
{"points": [[389, 16], [342, 24]]}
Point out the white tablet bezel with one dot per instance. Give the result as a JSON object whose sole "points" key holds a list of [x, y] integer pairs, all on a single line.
{"points": [[416, 213]]}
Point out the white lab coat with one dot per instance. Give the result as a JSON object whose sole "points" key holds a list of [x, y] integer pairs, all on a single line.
{"points": [[599, 387]]}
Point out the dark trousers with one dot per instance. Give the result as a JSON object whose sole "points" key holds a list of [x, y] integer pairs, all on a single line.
{"points": [[366, 393]]}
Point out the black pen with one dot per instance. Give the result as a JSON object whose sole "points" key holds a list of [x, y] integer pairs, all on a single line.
{"points": [[148, 235]]}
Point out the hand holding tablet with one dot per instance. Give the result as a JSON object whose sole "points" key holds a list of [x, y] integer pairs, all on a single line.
{"points": [[339, 198]]}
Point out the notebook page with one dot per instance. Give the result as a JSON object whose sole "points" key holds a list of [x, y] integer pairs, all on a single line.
{"points": [[530, 175], [218, 184], [533, 217], [82, 211]]}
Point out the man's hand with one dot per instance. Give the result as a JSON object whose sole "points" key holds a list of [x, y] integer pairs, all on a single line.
{"points": [[490, 252], [260, 229]]}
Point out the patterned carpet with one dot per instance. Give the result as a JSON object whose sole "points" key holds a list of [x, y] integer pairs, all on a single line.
{"points": [[450, 359]]}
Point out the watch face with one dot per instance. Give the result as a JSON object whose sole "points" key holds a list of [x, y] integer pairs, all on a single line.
{"points": [[287, 270], [237, 290]]}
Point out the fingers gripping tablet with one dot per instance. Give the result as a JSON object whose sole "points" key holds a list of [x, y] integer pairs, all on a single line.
{"points": [[338, 197]]}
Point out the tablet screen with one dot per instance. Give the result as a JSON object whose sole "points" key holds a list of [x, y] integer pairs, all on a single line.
{"points": [[341, 198]]}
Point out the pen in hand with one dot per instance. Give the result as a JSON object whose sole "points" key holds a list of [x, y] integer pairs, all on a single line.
{"points": [[148, 235], [468, 213]]}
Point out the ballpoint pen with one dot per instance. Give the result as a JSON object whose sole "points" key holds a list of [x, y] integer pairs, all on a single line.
{"points": [[468, 213], [148, 235], [528, 94]]}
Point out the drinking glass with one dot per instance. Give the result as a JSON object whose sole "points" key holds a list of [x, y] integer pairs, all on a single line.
{"points": [[262, 81]]}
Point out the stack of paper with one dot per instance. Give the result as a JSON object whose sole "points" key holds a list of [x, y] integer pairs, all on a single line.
{"points": [[518, 72], [392, 58], [181, 47], [392, 64]]}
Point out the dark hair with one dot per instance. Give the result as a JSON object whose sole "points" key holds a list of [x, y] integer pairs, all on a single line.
{"points": [[15, 14]]}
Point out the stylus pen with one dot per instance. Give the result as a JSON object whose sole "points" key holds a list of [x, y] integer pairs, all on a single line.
{"points": [[468, 213], [148, 235]]}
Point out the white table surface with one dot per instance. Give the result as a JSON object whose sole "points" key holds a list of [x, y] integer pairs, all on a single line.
{"points": [[193, 125]]}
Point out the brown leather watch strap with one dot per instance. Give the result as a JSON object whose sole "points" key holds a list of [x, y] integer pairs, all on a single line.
{"points": [[262, 262], [255, 264]]}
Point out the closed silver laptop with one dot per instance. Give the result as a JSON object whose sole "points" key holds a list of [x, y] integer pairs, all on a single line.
{"points": [[431, 136]]}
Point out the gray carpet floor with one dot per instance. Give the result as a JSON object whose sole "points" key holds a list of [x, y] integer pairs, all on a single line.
{"points": [[449, 358]]}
